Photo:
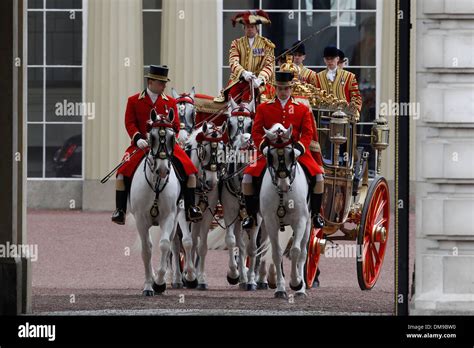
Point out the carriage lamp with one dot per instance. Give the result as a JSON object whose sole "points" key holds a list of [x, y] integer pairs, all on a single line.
{"points": [[380, 138], [338, 127]]}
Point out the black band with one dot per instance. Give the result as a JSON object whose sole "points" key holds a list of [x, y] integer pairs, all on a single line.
{"points": [[300, 147], [137, 137]]}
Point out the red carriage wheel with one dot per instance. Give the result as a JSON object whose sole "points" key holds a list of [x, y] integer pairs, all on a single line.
{"points": [[312, 258], [373, 233]]}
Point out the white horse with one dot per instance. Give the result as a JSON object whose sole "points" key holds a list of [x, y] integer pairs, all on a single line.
{"points": [[153, 198], [283, 201], [183, 237], [241, 152], [207, 148]]}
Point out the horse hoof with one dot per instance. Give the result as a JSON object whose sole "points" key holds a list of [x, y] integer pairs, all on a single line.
{"points": [[202, 286], [315, 284], [148, 293], [190, 284], [281, 294], [300, 295], [262, 286], [159, 288], [297, 287], [272, 285], [177, 285], [251, 287], [232, 281], [243, 286]]}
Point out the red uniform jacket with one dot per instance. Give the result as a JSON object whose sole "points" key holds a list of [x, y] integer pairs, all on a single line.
{"points": [[295, 114], [137, 115]]}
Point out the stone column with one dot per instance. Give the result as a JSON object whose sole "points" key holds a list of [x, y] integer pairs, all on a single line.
{"points": [[190, 42], [114, 71], [444, 269], [15, 280]]}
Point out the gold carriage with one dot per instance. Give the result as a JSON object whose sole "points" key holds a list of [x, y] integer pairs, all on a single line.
{"points": [[355, 205]]}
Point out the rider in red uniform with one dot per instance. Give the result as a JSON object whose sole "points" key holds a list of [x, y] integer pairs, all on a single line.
{"points": [[287, 111], [137, 116]]}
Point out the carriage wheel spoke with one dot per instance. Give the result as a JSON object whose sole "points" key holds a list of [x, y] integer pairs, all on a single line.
{"points": [[375, 253]]}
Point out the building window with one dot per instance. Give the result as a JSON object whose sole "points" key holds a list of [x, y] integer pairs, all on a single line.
{"points": [[54, 92], [351, 26], [152, 14]]}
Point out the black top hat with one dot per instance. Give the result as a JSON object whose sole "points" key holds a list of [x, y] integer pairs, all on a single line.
{"points": [[158, 72], [298, 47], [341, 55], [283, 78], [331, 52]]}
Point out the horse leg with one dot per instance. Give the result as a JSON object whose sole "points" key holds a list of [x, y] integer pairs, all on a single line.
{"points": [[177, 282], [241, 257], [233, 272], [168, 225], [189, 278], [147, 246], [202, 250], [252, 254], [299, 228], [262, 267], [302, 258], [280, 291]]}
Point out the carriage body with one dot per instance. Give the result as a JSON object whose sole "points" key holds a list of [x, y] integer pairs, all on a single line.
{"points": [[354, 204]]}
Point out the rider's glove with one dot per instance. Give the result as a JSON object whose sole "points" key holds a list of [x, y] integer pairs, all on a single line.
{"points": [[257, 82], [247, 75]]}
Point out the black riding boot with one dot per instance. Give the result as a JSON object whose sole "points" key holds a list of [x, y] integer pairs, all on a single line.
{"points": [[251, 206], [316, 199], [193, 212], [121, 204]]}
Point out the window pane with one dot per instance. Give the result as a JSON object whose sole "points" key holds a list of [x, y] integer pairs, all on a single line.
{"points": [[63, 91], [64, 38], [358, 41], [151, 37], [63, 150], [366, 78], [316, 4], [35, 94], [152, 4], [311, 22], [281, 4], [366, 4], [35, 151], [230, 33], [64, 4], [35, 38], [241, 4], [283, 30], [35, 3]]}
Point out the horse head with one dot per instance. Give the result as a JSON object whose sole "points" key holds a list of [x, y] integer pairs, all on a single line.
{"points": [[162, 140], [211, 152], [281, 156], [186, 113]]}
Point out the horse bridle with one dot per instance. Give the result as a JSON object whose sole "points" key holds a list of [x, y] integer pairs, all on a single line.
{"points": [[282, 170], [185, 98], [162, 152]]}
